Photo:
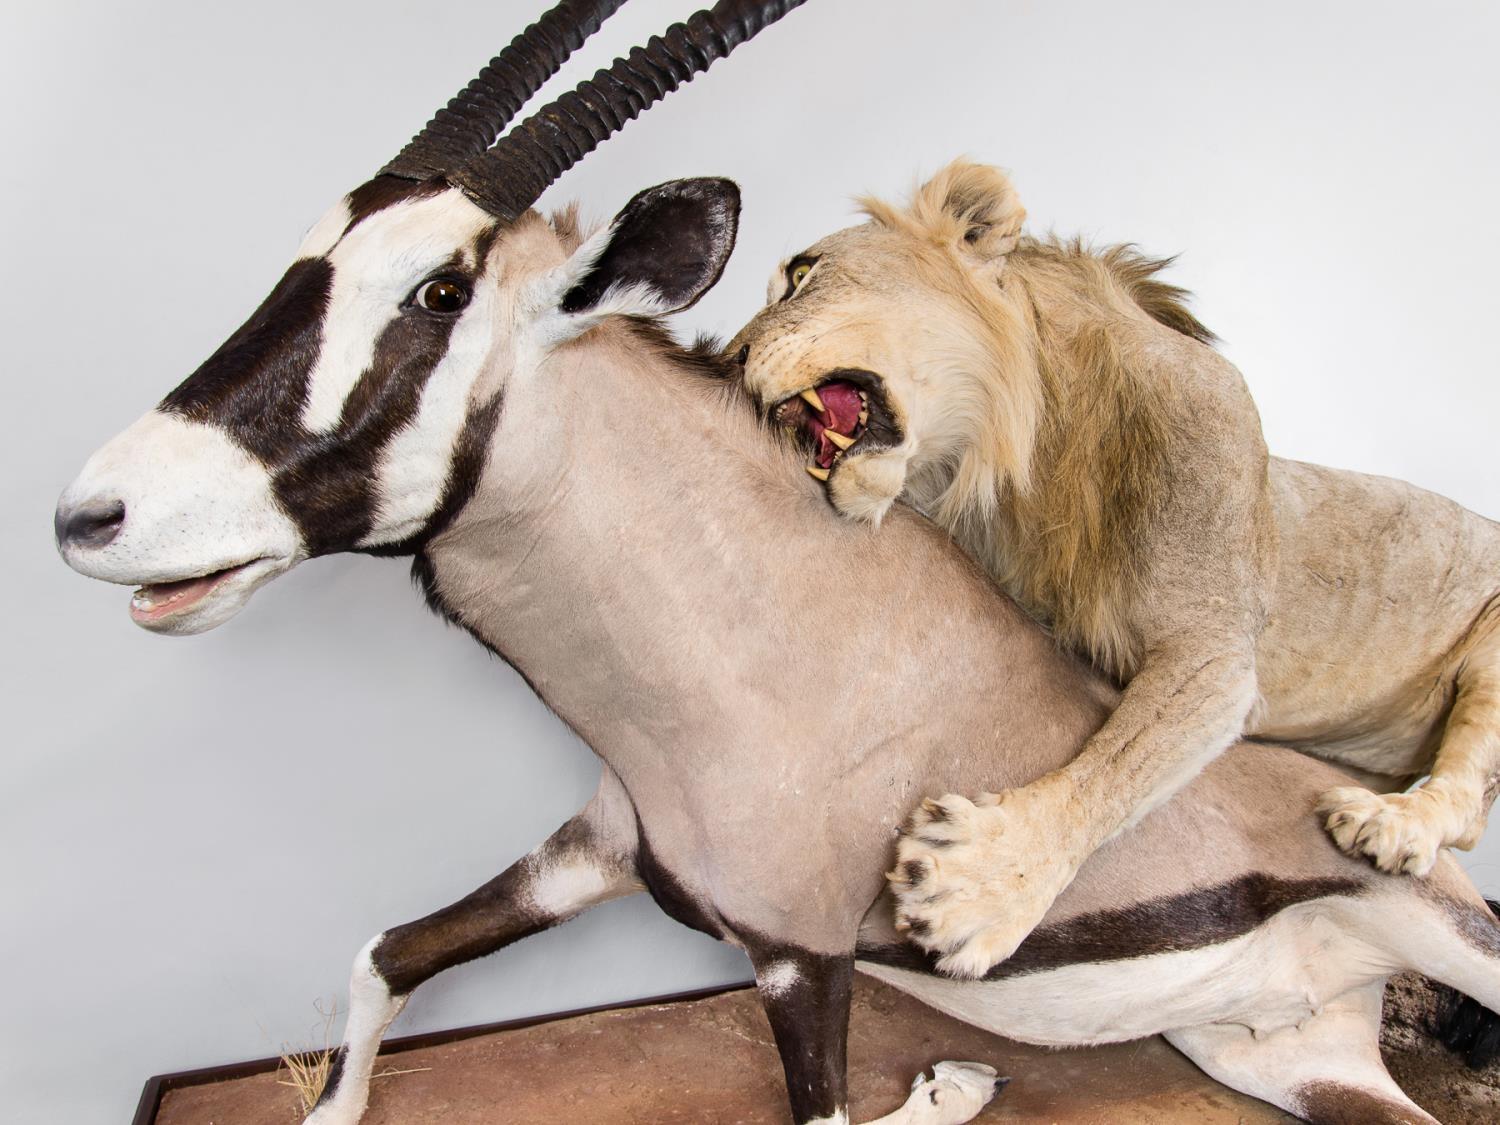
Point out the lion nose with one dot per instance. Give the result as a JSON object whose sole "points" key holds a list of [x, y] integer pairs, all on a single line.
{"points": [[94, 523]]}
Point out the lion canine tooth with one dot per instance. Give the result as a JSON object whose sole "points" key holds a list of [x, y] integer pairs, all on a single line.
{"points": [[864, 417], [810, 397], [838, 439], [821, 474]]}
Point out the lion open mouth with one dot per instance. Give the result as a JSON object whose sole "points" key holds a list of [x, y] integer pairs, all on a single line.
{"points": [[842, 411], [833, 416]]}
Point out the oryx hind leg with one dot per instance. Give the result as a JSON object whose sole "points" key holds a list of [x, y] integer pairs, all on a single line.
{"points": [[1326, 1070], [587, 861], [1403, 832]]}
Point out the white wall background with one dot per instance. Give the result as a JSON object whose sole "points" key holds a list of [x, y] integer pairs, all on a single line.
{"points": [[195, 835]]}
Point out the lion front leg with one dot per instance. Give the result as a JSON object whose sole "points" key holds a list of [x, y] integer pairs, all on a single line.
{"points": [[1402, 833], [970, 873], [973, 878]]}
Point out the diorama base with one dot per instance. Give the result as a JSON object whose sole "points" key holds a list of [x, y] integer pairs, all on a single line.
{"points": [[711, 1060]]}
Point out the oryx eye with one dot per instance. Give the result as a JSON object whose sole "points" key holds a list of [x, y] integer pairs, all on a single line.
{"points": [[441, 295]]}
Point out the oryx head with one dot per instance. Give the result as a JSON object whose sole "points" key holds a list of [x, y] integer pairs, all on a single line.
{"points": [[355, 408]]}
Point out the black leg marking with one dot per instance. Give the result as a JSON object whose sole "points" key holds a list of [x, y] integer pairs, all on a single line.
{"points": [[502, 911], [806, 997], [483, 922], [1464, 1024], [1332, 1103]]}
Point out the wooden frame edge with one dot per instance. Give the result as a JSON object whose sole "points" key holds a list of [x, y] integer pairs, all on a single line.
{"points": [[158, 1085]]}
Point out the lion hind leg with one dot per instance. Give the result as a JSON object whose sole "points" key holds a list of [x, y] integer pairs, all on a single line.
{"points": [[1404, 832]]}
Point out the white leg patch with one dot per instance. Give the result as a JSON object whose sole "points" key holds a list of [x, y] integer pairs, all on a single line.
{"points": [[778, 978], [561, 889]]}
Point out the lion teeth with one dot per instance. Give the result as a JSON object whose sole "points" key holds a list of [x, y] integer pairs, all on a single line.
{"points": [[864, 417], [838, 439], [815, 471], [810, 397]]}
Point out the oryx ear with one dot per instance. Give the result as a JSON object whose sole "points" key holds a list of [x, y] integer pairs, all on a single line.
{"points": [[662, 252], [974, 205]]}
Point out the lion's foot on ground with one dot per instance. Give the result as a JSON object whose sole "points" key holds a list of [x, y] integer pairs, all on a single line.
{"points": [[1401, 833], [972, 880], [955, 1093]]}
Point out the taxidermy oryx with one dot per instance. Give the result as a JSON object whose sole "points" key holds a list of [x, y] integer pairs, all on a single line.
{"points": [[444, 373], [1065, 417]]}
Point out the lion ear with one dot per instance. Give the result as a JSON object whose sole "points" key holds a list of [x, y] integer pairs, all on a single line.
{"points": [[975, 205]]}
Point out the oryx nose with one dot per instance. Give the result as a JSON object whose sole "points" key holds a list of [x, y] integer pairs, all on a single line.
{"points": [[94, 523]]}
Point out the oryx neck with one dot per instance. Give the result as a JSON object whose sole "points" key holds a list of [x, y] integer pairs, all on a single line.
{"points": [[631, 507]]}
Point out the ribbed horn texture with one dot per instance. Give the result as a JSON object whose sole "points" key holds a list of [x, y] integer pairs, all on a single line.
{"points": [[479, 113], [512, 175]]}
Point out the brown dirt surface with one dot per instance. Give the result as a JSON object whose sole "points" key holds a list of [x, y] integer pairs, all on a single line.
{"points": [[712, 1062], [1433, 1076]]}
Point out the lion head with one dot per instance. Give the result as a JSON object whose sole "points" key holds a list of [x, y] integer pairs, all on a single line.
{"points": [[893, 350]]}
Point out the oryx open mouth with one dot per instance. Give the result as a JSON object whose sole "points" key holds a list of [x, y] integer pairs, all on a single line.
{"points": [[159, 600], [844, 411], [198, 602]]}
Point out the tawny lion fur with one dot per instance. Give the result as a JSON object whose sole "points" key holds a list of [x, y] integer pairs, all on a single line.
{"points": [[1067, 419]]}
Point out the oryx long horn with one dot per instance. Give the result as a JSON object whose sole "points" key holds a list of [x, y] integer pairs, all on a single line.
{"points": [[480, 111], [512, 175]]}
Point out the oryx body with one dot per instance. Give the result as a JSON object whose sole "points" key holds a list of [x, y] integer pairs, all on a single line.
{"points": [[769, 687]]}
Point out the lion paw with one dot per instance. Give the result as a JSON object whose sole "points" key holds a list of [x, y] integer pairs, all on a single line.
{"points": [[1401, 833], [972, 880]]}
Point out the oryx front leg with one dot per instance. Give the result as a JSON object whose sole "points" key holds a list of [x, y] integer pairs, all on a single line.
{"points": [[584, 863], [1403, 832], [806, 996], [973, 878]]}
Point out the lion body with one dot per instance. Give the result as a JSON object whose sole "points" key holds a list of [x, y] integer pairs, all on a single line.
{"points": [[1067, 419], [1149, 485]]}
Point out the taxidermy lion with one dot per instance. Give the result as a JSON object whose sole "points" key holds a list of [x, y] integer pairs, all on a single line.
{"points": [[1067, 419]]}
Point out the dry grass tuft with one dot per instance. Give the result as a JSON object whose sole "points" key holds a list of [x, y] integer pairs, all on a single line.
{"points": [[308, 1075], [307, 1071]]}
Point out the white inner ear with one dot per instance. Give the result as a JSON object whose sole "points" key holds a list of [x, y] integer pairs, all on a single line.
{"points": [[554, 326]]}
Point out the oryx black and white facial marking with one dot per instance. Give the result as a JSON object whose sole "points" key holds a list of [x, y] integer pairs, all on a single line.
{"points": [[336, 418], [770, 688]]}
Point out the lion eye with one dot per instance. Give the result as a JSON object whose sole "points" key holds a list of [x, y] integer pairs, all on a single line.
{"points": [[796, 274], [441, 295]]}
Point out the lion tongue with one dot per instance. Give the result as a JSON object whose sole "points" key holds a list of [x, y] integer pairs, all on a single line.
{"points": [[841, 407]]}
